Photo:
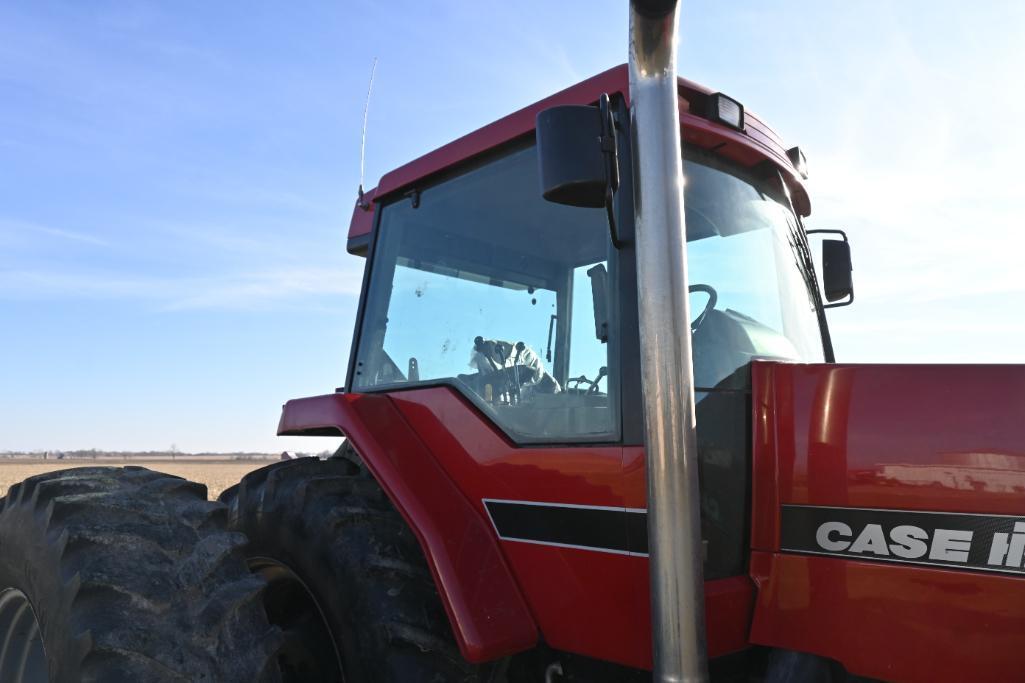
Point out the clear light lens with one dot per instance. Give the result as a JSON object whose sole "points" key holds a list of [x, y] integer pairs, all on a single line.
{"points": [[728, 111], [799, 161]]}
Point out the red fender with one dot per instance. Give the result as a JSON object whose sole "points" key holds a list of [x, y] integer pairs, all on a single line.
{"points": [[489, 616]]}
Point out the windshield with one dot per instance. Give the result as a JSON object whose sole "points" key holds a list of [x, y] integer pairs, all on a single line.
{"points": [[750, 294], [513, 301]]}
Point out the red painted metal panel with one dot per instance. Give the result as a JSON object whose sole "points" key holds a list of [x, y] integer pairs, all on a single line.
{"points": [[598, 604], [908, 624], [728, 607], [757, 143], [927, 438], [584, 601], [747, 149], [588, 602], [488, 614], [501, 131], [768, 410], [911, 437]]}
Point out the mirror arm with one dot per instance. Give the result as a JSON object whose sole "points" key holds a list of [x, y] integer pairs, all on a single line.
{"points": [[841, 233], [613, 229], [838, 304], [609, 149]]}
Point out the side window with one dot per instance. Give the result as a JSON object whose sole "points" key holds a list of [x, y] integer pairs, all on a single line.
{"points": [[434, 319], [588, 353], [487, 288]]}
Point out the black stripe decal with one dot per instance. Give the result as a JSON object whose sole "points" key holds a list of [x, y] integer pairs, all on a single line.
{"points": [[615, 530], [949, 540]]}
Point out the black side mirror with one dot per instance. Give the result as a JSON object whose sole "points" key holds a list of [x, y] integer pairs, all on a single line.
{"points": [[578, 158], [837, 282], [572, 165]]}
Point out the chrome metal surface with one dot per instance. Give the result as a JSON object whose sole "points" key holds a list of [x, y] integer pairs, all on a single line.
{"points": [[674, 514], [22, 659]]}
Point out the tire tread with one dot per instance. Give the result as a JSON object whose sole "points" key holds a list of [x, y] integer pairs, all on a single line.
{"points": [[121, 563], [369, 574]]}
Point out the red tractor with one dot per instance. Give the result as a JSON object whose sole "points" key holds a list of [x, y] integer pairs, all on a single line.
{"points": [[522, 495]]}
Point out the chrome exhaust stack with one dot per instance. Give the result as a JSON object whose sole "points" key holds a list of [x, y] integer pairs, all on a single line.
{"points": [[674, 512]]}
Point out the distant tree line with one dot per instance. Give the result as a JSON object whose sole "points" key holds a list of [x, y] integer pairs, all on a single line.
{"points": [[174, 454]]}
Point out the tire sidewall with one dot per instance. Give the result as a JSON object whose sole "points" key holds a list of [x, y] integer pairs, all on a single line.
{"points": [[27, 561], [301, 547]]}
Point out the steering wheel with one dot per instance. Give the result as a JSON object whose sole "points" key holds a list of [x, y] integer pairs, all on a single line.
{"points": [[577, 382], [713, 297], [592, 384]]}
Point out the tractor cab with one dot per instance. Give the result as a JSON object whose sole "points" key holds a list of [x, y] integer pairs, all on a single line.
{"points": [[527, 308]]}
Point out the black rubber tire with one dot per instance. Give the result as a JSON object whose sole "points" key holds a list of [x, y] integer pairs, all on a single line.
{"points": [[787, 666], [330, 523], [132, 576]]}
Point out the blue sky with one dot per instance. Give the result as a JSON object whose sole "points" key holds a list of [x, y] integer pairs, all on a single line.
{"points": [[176, 181]]}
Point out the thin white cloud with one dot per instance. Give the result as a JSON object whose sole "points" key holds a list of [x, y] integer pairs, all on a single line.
{"points": [[257, 290], [9, 227], [238, 291]]}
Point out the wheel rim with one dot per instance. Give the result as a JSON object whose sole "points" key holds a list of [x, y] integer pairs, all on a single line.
{"points": [[22, 659], [308, 652]]}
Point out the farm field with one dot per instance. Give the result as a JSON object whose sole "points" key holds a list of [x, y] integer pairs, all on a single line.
{"points": [[216, 474]]}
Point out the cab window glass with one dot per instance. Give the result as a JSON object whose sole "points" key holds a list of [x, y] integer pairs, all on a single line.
{"points": [[750, 293], [588, 350], [485, 287]]}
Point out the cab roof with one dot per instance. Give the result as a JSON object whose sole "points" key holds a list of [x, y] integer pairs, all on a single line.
{"points": [[753, 145]]}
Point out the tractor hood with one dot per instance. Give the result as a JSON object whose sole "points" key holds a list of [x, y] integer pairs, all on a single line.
{"points": [[886, 492], [930, 438]]}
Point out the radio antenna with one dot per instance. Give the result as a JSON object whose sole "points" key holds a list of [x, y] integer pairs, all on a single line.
{"points": [[363, 204]]}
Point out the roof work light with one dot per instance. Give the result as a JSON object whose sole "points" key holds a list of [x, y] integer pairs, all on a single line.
{"points": [[726, 110], [799, 161]]}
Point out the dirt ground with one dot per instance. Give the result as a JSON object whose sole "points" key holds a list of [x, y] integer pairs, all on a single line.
{"points": [[216, 474]]}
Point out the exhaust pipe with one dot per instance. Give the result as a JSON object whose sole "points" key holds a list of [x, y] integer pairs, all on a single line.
{"points": [[674, 512]]}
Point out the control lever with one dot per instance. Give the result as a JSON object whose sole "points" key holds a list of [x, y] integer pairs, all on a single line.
{"points": [[603, 371], [551, 329]]}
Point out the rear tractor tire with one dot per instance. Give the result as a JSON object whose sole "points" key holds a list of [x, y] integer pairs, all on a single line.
{"points": [[348, 583], [111, 575]]}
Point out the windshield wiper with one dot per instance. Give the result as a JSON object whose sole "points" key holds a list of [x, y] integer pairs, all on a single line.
{"points": [[800, 247], [802, 254]]}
